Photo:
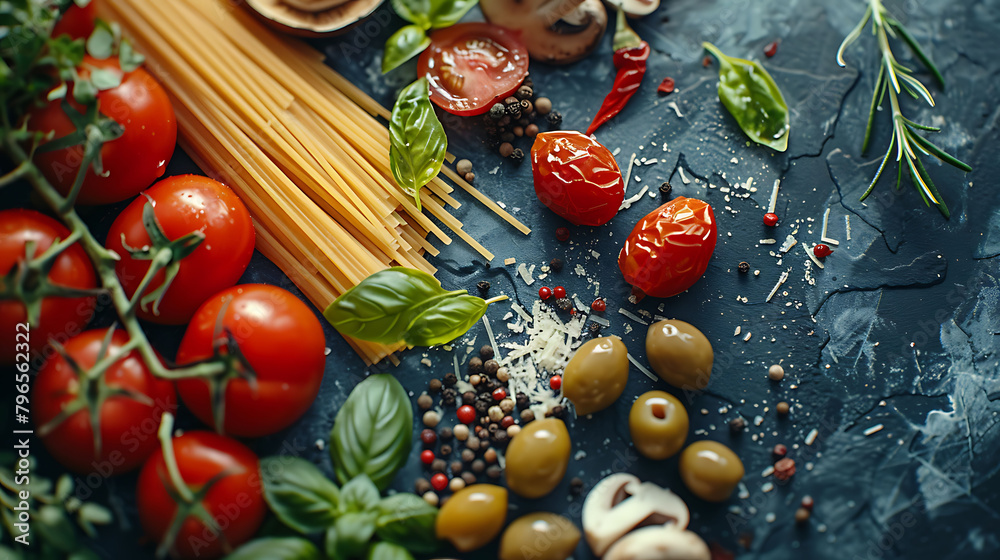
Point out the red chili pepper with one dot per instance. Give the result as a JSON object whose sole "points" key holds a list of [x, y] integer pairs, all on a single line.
{"points": [[631, 54]]}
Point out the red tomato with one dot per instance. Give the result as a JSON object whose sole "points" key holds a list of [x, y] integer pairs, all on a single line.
{"points": [[184, 204], [128, 426], [472, 66], [133, 161], [60, 317], [669, 249], [284, 344], [576, 177], [235, 501], [77, 22]]}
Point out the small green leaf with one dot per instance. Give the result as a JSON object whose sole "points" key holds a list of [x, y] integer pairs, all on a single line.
{"points": [[407, 520], [105, 79], [299, 493], [388, 551], [445, 13], [371, 436], [64, 487], [128, 58], [101, 42], [354, 531], [95, 513], [289, 548], [84, 91], [445, 321], [753, 99], [414, 11], [418, 142], [403, 45], [359, 495]]}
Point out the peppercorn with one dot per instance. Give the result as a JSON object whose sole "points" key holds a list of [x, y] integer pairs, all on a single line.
{"points": [[499, 438], [665, 188], [434, 385], [506, 149], [478, 466], [771, 49], [522, 400], [543, 105], [558, 411], [531, 130], [490, 456], [770, 219], [493, 471], [511, 101], [556, 265], [493, 428], [517, 155], [496, 414], [507, 405], [595, 329], [422, 486], [456, 484], [802, 515], [475, 379], [450, 379], [527, 416], [468, 398], [461, 432], [486, 352], [779, 451], [432, 499], [524, 92], [555, 383], [482, 408], [575, 486], [448, 397], [782, 408], [427, 456], [438, 466], [784, 469], [513, 430], [470, 177], [503, 375], [564, 303], [554, 118], [822, 251], [526, 106], [507, 136], [445, 434], [743, 267], [524, 121], [507, 422], [472, 443], [528, 81], [456, 467], [475, 365], [428, 436], [503, 122], [776, 373], [491, 367], [425, 401], [599, 305], [483, 286], [431, 419], [469, 478], [737, 425], [463, 166], [497, 111], [468, 455]]}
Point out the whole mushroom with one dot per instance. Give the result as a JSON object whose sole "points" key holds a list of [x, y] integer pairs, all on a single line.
{"points": [[620, 503], [555, 31], [636, 8]]}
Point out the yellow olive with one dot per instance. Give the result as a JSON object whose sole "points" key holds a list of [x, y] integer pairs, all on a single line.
{"points": [[710, 470], [659, 424], [595, 377], [539, 536], [679, 353], [537, 458], [473, 516]]}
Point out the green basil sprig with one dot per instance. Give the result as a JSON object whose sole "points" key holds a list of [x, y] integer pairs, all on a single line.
{"points": [[411, 40], [405, 304], [371, 436], [285, 548], [299, 494], [418, 142], [753, 99], [388, 551]]}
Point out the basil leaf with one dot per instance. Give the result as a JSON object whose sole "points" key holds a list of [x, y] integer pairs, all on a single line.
{"points": [[445, 13], [128, 58], [414, 11], [360, 494], [292, 548], [382, 306], [403, 45], [753, 99], [407, 520], [417, 139], [372, 432], [299, 493], [353, 531], [101, 42], [445, 321], [388, 551]]}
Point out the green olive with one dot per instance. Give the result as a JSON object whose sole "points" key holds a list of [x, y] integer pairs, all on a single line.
{"points": [[710, 470], [537, 458], [659, 424], [679, 353], [473, 516], [539, 536], [595, 377]]}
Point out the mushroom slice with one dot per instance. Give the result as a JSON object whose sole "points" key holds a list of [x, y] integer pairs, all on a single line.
{"points": [[316, 5], [312, 18], [621, 503], [636, 8], [555, 31], [665, 542]]}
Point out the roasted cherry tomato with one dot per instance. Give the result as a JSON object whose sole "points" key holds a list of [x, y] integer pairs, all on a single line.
{"points": [[131, 162], [234, 501], [184, 204], [472, 66], [576, 177], [128, 424], [283, 342], [77, 22], [669, 249], [60, 317]]}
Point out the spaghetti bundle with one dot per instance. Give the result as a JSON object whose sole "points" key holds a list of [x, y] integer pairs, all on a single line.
{"points": [[299, 143]]}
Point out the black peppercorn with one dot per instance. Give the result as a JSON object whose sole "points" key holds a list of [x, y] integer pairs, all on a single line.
{"points": [[445, 450], [475, 365], [421, 486], [499, 438], [524, 92], [665, 188], [478, 466], [507, 137], [486, 352], [554, 118], [526, 106], [446, 434], [503, 122], [564, 303], [559, 411], [576, 486], [448, 397], [522, 401], [528, 82], [517, 155], [456, 467], [556, 265], [525, 121], [468, 397], [482, 408], [497, 111], [744, 267], [434, 386], [468, 455], [737, 425], [483, 286], [514, 111], [439, 465], [450, 380], [493, 472], [595, 329], [468, 478], [491, 367]]}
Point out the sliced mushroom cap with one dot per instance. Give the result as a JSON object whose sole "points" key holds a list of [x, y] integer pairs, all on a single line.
{"points": [[555, 31], [621, 503], [665, 542], [635, 8], [312, 18]]}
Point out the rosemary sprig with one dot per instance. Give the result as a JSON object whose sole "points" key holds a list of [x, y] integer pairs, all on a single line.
{"points": [[894, 78]]}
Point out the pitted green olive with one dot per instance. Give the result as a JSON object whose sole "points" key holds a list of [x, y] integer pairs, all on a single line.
{"points": [[539, 536], [473, 516], [596, 375], [710, 470], [537, 458], [659, 424], [679, 353]]}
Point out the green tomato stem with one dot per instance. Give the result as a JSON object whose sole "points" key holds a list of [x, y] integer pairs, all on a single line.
{"points": [[170, 460]]}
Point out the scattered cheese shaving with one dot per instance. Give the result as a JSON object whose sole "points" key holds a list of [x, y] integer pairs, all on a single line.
{"points": [[790, 242], [677, 110], [631, 315], [627, 203], [822, 236], [642, 368], [684, 178], [747, 337], [525, 275], [628, 174], [812, 256], [873, 429], [847, 225], [600, 320], [768, 241], [509, 261], [520, 311], [738, 330], [781, 280], [774, 197], [812, 436]]}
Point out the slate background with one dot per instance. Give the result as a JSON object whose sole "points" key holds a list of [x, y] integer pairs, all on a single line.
{"points": [[900, 329]]}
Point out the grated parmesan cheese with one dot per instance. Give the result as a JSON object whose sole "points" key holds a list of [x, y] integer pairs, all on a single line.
{"points": [[525, 273], [632, 316]]}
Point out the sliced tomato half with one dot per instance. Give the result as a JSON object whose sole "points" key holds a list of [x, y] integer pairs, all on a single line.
{"points": [[471, 66]]}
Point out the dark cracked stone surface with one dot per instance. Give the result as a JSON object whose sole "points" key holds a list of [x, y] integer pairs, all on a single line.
{"points": [[900, 330]]}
